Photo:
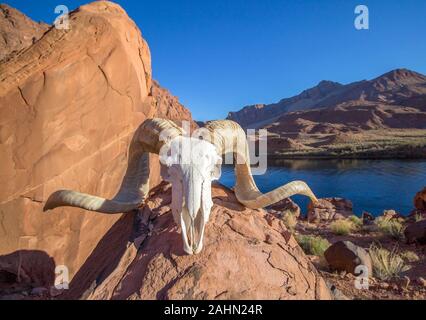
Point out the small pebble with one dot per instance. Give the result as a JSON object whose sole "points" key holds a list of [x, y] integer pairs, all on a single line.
{"points": [[421, 281], [384, 285]]}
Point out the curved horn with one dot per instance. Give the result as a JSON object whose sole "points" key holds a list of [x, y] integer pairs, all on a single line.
{"points": [[135, 185], [228, 137]]}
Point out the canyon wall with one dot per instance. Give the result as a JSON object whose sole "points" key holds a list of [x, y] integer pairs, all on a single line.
{"points": [[70, 101]]}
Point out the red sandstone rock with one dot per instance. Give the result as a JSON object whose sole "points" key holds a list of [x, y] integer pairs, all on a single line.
{"points": [[17, 31], [168, 106], [346, 256], [247, 254], [420, 200], [286, 206], [416, 232], [69, 105], [329, 209]]}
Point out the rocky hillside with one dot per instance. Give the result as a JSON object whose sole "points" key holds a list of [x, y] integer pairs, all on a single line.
{"points": [[401, 87], [383, 117], [168, 106], [69, 104]]}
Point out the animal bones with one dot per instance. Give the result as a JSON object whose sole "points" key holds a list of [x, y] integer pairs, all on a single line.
{"points": [[190, 164]]}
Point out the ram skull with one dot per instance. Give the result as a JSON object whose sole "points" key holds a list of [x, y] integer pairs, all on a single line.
{"points": [[190, 164]]}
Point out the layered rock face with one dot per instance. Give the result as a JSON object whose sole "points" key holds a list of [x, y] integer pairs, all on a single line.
{"points": [[69, 105], [247, 254], [17, 31], [168, 106]]}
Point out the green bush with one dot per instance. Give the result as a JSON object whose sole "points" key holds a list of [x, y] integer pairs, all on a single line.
{"points": [[313, 245]]}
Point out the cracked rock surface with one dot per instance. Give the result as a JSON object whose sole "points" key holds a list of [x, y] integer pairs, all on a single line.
{"points": [[69, 104], [247, 254]]}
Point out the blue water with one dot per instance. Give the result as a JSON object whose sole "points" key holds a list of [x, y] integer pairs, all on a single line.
{"points": [[372, 185]]}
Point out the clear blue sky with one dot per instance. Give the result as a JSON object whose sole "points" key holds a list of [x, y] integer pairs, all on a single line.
{"points": [[220, 55]]}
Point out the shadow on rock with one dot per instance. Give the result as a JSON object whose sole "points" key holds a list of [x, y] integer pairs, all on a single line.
{"points": [[24, 273]]}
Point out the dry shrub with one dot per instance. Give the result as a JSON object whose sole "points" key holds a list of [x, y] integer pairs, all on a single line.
{"points": [[342, 227], [386, 264], [390, 227]]}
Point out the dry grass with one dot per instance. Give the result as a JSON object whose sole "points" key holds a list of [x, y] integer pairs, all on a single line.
{"points": [[390, 227], [386, 264], [410, 256], [418, 217], [342, 227], [313, 245], [290, 221], [356, 221]]}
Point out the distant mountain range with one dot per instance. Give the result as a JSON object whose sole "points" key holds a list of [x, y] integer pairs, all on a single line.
{"points": [[399, 87], [376, 111]]}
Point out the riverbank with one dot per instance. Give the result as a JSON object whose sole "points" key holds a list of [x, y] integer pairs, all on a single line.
{"points": [[371, 144], [371, 185], [390, 247]]}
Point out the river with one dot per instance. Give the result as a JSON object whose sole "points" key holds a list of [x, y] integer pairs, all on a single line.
{"points": [[372, 185]]}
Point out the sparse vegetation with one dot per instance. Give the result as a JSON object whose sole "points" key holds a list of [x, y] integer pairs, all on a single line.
{"points": [[290, 221], [386, 264], [389, 143], [410, 256], [391, 227], [356, 221], [342, 227], [418, 217], [313, 245]]}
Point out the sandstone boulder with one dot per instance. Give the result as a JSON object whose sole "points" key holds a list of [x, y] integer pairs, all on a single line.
{"points": [[416, 232], [286, 206], [420, 200], [69, 104], [247, 254], [346, 256], [329, 209]]}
